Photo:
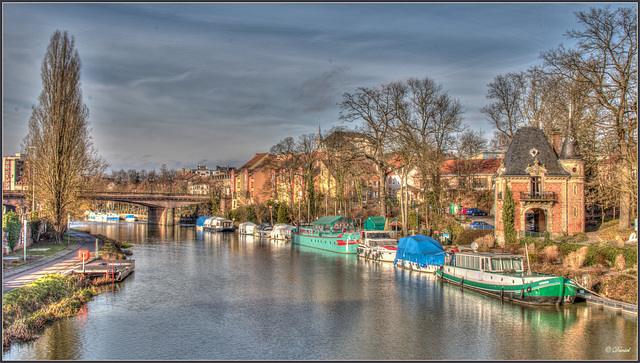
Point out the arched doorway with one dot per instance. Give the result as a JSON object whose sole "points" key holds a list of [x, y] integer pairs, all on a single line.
{"points": [[535, 222]]}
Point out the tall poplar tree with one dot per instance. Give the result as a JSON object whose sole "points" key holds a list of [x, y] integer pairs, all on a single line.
{"points": [[58, 146]]}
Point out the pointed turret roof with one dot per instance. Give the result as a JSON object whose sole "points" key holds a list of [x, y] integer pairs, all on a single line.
{"points": [[569, 151], [528, 145]]}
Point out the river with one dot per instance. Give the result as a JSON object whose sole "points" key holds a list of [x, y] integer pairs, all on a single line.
{"points": [[205, 296]]}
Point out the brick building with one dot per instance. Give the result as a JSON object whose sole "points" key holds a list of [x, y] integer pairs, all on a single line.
{"points": [[547, 186], [13, 172]]}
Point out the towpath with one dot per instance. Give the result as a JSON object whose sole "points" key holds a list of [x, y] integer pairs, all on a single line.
{"points": [[58, 262]]}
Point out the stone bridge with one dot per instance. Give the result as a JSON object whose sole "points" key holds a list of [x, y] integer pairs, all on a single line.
{"points": [[160, 206]]}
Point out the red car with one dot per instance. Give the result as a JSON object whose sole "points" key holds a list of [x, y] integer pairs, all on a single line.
{"points": [[462, 210]]}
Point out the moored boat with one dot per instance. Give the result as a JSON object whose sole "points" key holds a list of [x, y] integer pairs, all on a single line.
{"points": [[282, 231], [130, 218], [504, 276], [377, 245], [263, 230], [112, 217], [218, 224], [420, 253], [247, 228], [200, 222], [327, 233]]}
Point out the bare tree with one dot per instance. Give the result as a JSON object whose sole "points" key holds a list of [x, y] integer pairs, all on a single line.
{"points": [[505, 113], [59, 135], [436, 118], [375, 109], [606, 61]]}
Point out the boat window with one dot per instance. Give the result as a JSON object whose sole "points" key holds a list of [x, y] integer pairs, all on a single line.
{"points": [[517, 264], [495, 264], [506, 264], [475, 263]]}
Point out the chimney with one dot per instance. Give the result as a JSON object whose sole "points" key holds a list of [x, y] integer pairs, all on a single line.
{"points": [[556, 142]]}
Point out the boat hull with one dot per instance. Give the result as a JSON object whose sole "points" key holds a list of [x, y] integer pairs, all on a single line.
{"points": [[539, 290], [333, 243], [376, 254], [414, 266]]}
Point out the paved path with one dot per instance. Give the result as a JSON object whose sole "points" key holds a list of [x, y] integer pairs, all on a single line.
{"points": [[58, 262]]}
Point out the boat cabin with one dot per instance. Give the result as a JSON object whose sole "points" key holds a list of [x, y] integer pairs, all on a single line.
{"points": [[327, 225], [490, 262]]}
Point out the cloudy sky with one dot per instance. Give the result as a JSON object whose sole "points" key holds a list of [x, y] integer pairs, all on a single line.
{"points": [[214, 83]]}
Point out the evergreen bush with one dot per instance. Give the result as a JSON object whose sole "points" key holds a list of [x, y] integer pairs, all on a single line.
{"points": [[508, 217], [11, 225]]}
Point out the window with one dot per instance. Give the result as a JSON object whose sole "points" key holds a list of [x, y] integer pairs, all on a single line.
{"points": [[506, 264], [575, 189], [495, 264], [517, 265], [536, 189]]}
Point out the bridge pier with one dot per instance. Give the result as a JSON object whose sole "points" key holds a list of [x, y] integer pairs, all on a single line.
{"points": [[160, 215]]}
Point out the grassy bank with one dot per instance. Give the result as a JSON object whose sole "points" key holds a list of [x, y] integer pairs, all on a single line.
{"points": [[42, 248], [28, 309]]}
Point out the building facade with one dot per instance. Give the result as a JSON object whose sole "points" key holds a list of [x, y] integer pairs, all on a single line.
{"points": [[548, 188], [13, 173]]}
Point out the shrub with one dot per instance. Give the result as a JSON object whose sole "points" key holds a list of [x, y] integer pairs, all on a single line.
{"points": [[576, 259], [551, 254], [512, 248], [11, 225], [620, 262], [467, 236]]}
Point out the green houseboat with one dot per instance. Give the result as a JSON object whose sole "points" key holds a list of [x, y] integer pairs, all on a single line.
{"points": [[327, 233], [504, 276]]}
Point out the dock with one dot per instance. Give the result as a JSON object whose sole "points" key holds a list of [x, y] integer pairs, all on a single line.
{"points": [[607, 303], [117, 270]]}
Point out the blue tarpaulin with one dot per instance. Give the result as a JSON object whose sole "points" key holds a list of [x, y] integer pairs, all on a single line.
{"points": [[200, 221], [420, 249]]}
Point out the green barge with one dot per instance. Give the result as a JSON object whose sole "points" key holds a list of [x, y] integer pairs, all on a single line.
{"points": [[328, 233], [503, 276]]}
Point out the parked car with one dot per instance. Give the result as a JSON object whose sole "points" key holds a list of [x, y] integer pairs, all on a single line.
{"points": [[476, 212], [462, 210], [480, 225]]}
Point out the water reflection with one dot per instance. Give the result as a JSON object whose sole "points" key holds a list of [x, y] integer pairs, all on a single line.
{"points": [[202, 295]]}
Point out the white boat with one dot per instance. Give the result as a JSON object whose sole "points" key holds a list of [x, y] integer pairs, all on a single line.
{"points": [[247, 228], [130, 218], [263, 230], [282, 231], [218, 224], [377, 245]]}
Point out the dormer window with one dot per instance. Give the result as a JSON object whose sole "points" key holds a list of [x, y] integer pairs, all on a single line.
{"points": [[536, 186]]}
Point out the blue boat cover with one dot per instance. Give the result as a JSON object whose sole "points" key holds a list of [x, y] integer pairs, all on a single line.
{"points": [[420, 249], [200, 221]]}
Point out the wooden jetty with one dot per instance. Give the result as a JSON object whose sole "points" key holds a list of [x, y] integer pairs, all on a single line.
{"points": [[607, 303], [117, 270]]}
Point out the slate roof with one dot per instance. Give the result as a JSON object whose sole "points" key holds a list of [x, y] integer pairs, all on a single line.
{"points": [[519, 156]]}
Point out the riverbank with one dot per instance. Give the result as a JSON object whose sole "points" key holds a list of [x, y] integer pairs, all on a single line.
{"points": [[28, 309]]}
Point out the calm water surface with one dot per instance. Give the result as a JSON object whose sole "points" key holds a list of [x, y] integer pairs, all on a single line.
{"points": [[199, 295]]}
